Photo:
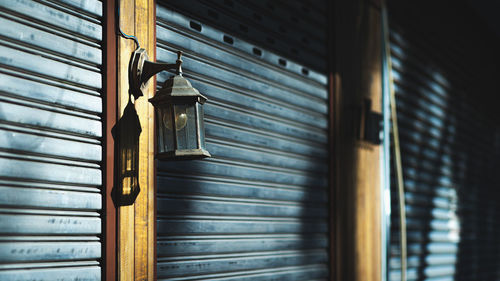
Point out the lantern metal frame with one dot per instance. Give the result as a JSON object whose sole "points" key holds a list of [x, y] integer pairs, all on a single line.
{"points": [[176, 91]]}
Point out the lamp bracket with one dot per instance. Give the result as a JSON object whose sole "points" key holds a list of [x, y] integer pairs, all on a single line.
{"points": [[141, 70]]}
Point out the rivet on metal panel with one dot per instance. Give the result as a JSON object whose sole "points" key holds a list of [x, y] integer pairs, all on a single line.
{"points": [[228, 39], [194, 25], [257, 52]]}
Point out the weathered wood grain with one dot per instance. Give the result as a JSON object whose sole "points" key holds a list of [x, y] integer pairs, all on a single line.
{"points": [[136, 222], [357, 75]]}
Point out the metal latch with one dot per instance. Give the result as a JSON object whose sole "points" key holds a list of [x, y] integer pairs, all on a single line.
{"points": [[370, 123]]}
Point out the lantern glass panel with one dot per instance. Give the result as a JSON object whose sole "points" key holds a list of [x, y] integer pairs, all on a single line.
{"points": [[185, 126], [165, 129], [201, 125]]}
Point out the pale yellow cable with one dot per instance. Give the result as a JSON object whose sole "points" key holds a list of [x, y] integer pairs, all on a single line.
{"points": [[397, 150]]}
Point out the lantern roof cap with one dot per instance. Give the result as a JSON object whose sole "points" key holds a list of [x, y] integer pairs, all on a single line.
{"points": [[177, 87]]}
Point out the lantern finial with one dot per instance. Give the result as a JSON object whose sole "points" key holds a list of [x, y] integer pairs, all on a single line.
{"points": [[179, 63]]}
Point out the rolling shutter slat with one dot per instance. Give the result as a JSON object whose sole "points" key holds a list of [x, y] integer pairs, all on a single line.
{"points": [[446, 150], [257, 209], [50, 140]]}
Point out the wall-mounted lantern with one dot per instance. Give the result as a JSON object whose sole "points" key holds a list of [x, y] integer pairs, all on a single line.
{"points": [[178, 106]]}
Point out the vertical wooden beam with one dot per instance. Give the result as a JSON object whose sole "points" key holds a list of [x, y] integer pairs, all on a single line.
{"points": [[152, 145], [333, 136], [357, 76], [336, 210], [137, 222], [368, 197], [110, 264]]}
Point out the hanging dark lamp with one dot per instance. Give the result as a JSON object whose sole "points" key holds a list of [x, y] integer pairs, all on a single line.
{"points": [[178, 106]]}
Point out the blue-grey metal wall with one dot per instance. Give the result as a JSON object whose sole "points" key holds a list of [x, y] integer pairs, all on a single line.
{"points": [[449, 148], [50, 140], [258, 209]]}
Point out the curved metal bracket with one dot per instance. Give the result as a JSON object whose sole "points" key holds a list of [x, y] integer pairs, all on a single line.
{"points": [[141, 70]]}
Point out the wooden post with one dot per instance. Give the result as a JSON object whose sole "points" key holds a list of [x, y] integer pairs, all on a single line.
{"points": [[110, 264], [136, 223], [356, 75]]}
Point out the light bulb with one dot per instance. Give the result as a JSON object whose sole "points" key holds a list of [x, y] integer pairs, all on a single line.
{"points": [[180, 121]]}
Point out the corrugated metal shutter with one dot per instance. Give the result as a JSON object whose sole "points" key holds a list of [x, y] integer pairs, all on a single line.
{"points": [[50, 140], [258, 209], [448, 152]]}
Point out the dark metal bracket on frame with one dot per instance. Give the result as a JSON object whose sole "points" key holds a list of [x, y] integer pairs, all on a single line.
{"points": [[141, 70]]}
